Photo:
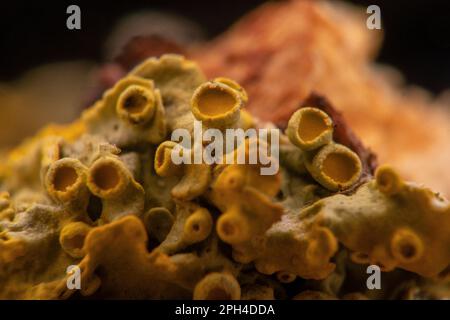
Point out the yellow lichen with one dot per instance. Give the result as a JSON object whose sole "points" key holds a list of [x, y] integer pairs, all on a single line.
{"points": [[236, 86], [129, 114], [310, 128], [72, 238], [245, 199], [333, 165], [105, 195], [136, 104], [405, 229], [65, 182], [194, 178], [217, 105], [112, 182]]}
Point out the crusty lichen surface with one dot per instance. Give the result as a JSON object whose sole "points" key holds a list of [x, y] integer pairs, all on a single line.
{"points": [[103, 194]]}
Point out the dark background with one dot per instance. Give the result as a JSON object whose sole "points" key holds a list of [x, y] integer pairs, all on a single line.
{"points": [[417, 33]]}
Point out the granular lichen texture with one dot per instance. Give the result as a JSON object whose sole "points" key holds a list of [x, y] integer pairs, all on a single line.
{"points": [[104, 194]]}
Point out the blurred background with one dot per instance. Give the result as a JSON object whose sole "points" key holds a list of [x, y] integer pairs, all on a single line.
{"points": [[38, 52], [417, 32]]}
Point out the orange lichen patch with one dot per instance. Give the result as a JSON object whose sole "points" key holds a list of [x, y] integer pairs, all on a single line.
{"points": [[12, 250], [69, 132], [217, 286], [6, 209], [27, 163], [216, 104], [136, 104]]}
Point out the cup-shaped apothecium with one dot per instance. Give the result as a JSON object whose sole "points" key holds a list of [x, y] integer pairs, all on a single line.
{"points": [[236, 86], [233, 227], [217, 105], [108, 177], [72, 238], [310, 128], [335, 167], [65, 180], [111, 181], [163, 165], [136, 104], [406, 246], [198, 226], [388, 180]]}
